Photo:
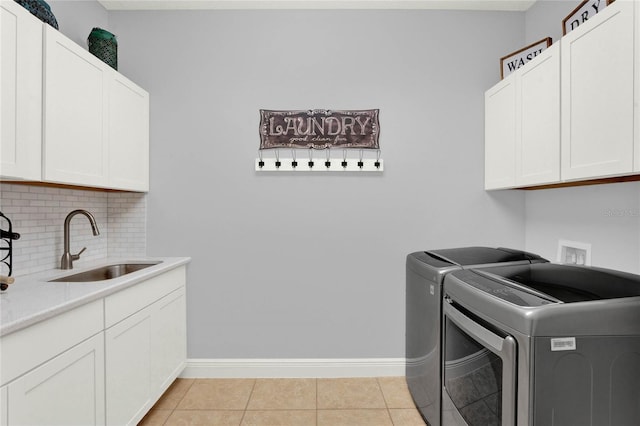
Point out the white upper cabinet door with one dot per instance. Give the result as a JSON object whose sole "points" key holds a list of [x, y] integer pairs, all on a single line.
{"points": [[21, 93], [76, 85], [500, 134], [128, 135], [538, 100], [597, 63]]}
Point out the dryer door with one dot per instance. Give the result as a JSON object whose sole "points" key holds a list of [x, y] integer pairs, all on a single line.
{"points": [[479, 372]]}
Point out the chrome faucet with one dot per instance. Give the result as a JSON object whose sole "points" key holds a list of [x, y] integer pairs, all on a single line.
{"points": [[67, 258]]}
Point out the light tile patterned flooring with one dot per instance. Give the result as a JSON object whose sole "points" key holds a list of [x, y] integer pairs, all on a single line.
{"points": [[382, 401]]}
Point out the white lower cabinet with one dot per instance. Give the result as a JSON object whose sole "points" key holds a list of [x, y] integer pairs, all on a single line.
{"points": [[67, 390], [52, 372], [128, 357], [106, 362], [4, 404], [168, 340], [146, 350]]}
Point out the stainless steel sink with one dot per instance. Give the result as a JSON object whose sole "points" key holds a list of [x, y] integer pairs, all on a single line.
{"points": [[105, 272]]}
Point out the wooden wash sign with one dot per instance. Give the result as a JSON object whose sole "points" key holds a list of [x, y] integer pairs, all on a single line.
{"points": [[515, 60]]}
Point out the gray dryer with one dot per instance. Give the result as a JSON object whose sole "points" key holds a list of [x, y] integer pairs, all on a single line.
{"points": [[425, 272]]}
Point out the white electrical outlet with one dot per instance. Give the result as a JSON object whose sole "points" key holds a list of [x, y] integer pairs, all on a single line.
{"points": [[574, 253]]}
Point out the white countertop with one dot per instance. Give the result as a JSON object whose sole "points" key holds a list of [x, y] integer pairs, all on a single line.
{"points": [[31, 298]]}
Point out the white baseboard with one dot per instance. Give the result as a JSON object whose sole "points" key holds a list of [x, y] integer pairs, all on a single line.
{"points": [[293, 368]]}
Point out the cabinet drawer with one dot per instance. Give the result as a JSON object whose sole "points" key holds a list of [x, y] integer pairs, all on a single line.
{"points": [[30, 347], [127, 302]]}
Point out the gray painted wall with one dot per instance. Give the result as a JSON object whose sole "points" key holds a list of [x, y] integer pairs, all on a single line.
{"points": [[605, 216], [77, 18], [544, 19], [313, 266], [308, 266]]}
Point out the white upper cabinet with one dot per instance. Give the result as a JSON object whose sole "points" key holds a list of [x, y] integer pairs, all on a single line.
{"points": [[522, 125], [96, 121], [66, 116], [576, 107], [128, 135], [598, 96], [538, 142], [76, 88], [21, 93], [500, 134]]}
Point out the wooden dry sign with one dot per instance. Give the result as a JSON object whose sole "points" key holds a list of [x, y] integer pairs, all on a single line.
{"points": [[515, 60], [585, 10], [319, 129]]}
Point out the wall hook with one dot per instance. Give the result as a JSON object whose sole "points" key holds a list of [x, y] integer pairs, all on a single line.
{"points": [[273, 162], [310, 158]]}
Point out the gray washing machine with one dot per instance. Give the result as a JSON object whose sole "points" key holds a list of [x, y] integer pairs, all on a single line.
{"points": [[425, 271], [541, 345]]}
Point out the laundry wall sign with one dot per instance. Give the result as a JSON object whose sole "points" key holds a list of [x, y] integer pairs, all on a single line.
{"points": [[319, 129]]}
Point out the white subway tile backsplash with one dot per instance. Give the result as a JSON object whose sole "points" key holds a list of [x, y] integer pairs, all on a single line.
{"points": [[38, 213], [127, 223]]}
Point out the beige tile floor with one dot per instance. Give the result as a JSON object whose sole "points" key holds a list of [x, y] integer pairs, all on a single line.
{"points": [[382, 401]]}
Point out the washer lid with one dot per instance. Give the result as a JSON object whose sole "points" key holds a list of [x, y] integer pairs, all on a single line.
{"points": [[467, 256], [499, 287], [568, 283]]}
